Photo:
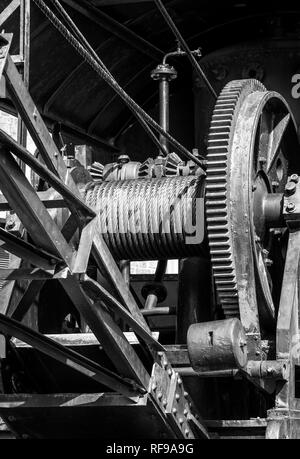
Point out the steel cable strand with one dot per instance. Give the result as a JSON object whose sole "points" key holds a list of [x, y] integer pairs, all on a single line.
{"points": [[184, 45], [81, 38], [132, 105]]}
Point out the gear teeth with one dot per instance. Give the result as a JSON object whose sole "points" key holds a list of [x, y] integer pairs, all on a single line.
{"points": [[217, 202], [96, 171]]}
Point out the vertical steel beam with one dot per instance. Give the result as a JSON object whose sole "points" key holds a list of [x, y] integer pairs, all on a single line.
{"points": [[24, 69]]}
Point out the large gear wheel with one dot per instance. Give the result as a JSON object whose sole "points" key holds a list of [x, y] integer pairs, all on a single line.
{"points": [[252, 148]]}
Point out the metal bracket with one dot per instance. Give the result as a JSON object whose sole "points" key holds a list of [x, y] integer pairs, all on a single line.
{"points": [[167, 389]]}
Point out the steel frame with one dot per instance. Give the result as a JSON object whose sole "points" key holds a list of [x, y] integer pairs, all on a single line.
{"points": [[52, 257]]}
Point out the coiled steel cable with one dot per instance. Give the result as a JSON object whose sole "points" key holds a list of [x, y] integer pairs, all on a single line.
{"points": [[99, 68], [148, 219]]}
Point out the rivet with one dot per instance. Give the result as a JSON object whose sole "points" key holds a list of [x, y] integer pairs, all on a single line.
{"points": [[177, 396], [159, 395], [180, 421], [174, 411]]}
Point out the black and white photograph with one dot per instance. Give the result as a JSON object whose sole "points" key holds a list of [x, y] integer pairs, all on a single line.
{"points": [[149, 223]]}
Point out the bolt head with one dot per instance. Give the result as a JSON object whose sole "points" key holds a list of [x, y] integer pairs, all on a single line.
{"points": [[290, 188], [295, 178], [123, 159], [290, 207]]}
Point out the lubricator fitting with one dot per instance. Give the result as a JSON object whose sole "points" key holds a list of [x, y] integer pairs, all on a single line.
{"points": [[164, 72]]}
